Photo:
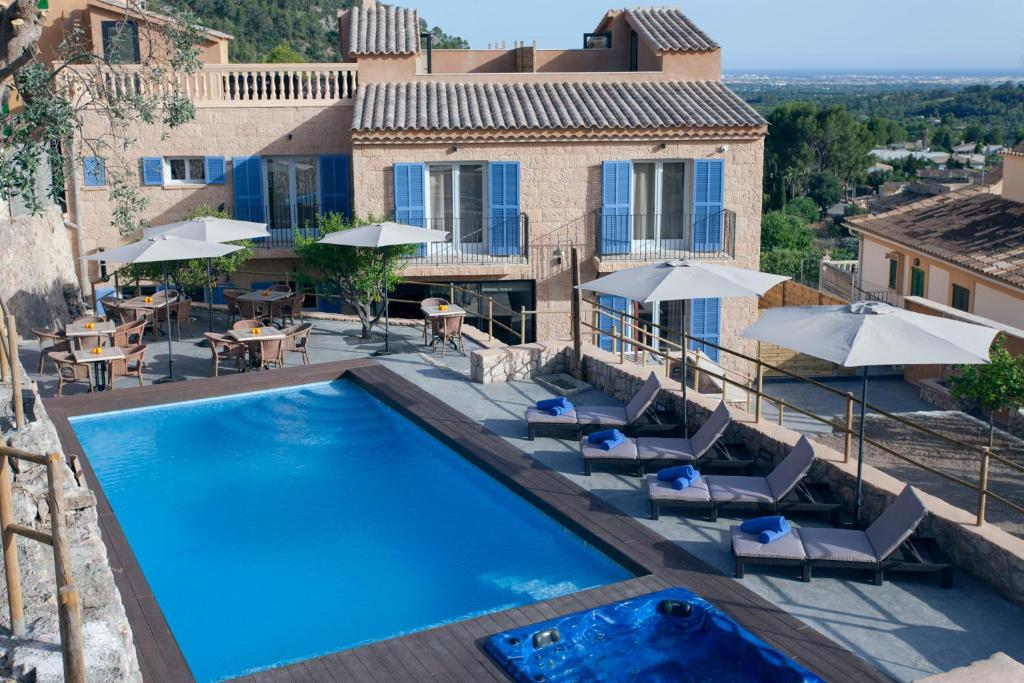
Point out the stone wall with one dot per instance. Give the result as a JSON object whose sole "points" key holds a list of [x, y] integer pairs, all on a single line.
{"points": [[109, 648], [488, 366], [989, 553], [37, 270]]}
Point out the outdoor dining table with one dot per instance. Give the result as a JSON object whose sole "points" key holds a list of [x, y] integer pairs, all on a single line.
{"points": [[99, 362], [246, 334], [265, 296], [436, 312], [77, 332]]}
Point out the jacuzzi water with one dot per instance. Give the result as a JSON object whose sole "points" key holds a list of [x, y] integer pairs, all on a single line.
{"points": [[672, 636], [280, 525]]}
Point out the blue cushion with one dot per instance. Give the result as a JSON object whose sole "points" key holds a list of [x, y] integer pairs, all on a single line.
{"points": [[603, 435], [673, 473], [549, 403], [759, 524]]}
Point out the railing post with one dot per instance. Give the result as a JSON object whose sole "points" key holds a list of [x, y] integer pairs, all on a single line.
{"points": [[595, 330], [5, 370], [622, 338], [12, 352], [12, 572], [490, 319], [615, 337], [782, 410], [758, 389], [645, 340], [451, 292], [69, 606], [983, 485], [848, 436], [522, 324]]}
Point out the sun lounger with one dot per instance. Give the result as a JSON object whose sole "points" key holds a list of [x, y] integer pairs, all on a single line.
{"points": [[768, 495], [590, 417], [879, 548]]}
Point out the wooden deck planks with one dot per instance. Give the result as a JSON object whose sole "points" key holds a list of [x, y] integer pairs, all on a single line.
{"points": [[453, 652]]}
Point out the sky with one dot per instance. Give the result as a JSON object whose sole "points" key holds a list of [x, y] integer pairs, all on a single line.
{"points": [[778, 34]]}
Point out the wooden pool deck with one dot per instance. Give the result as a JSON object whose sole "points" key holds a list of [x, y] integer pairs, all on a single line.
{"points": [[453, 652]]}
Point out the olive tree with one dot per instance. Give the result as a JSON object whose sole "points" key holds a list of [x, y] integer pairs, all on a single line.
{"points": [[87, 104]]}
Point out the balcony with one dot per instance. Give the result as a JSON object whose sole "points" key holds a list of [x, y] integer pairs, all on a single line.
{"points": [[471, 241], [659, 237]]}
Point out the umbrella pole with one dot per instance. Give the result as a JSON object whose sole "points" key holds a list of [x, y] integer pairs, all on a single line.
{"points": [[860, 446], [387, 317], [170, 350], [209, 294], [682, 365]]}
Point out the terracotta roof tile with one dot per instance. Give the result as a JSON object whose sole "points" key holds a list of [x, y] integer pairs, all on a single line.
{"points": [[666, 29], [384, 31]]}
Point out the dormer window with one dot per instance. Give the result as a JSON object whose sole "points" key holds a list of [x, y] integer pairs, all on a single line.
{"points": [[597, 41], [121, 42]]}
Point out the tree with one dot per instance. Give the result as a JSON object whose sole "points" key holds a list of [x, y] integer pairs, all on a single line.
{"points": [[974, 132], [439, 40], [46, 127], [283, 53], [944, 138], [354, 274], [780, 230], [994, 387], [824, 189], [802, 266], [805, 208]]}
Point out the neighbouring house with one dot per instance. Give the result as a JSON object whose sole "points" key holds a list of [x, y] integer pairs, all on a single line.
{"points": [[962, 249], [631, 149]]}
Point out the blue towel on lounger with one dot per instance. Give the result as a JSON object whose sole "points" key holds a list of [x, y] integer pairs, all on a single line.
{"points": [[560, 410], [603, 435], [607, 439], [769, 535], [686, 482], [673, 473], [549, 403], [759, 524]]}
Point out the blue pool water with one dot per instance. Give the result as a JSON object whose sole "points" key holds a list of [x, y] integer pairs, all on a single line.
{"points": [[282, 525], [672, 636]]}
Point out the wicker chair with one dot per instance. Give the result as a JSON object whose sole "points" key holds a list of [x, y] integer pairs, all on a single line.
{"points": [[447, 329], [433, 301], [89, 319], [180, 311], [224, 349], [268, 352], [70, 372], [280, 288], [292, 308], [251, 309], [246, 324], [56, 340], [129, 334], [130, 365], [297, 340], [231, 299]]}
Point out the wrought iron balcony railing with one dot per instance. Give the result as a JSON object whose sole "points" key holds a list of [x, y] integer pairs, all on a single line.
{"points": [[655, 236]]}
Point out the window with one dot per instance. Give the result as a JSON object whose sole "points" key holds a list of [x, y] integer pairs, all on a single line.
{"points": [[121, 42], [185, 170], [634, 51], [455, 202], [293, 194], [916, 282], [597, 41], [961, 298], [659, 204], [894, 267]]}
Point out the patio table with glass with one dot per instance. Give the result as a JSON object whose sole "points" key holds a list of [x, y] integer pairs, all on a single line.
{"points": [[99, 358], [265, 296], [443, 311]]}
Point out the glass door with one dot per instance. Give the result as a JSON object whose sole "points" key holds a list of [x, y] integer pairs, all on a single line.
{"points": [[293, 197]]}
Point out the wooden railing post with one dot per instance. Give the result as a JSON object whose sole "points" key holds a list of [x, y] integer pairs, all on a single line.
{"points": [[12, 572], [983, 485], [596, 337], [782, 410], [576, 310], [69, 606], [758, 389], [12, 352], [5, 368], [522, 324], [451, 292], [490, 319], [848, 436], [622, 338]]}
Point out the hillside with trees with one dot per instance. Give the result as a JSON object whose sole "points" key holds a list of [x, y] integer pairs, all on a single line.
{"points": [[309, 30]]}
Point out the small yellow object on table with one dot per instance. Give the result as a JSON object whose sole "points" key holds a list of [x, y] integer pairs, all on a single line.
{"points": [[442, 307], [90, 326], [97, 350], [257, 330], [148, 300], [265, 295]]}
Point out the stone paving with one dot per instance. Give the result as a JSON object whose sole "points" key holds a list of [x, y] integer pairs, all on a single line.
{"points": [[909, 627]]}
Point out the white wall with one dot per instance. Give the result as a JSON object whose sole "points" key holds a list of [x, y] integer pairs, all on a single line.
{"points": [[938, 285], [874, 265], [991, 303]]}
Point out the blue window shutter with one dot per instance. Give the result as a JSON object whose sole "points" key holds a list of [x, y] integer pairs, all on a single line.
{"points": [[247, 178], [605, 320], [410, 196], [334, 183], [215, 170], [503, 208], [705, 323], [616, 207], [95, 172], [708, 204], [152, 171]]}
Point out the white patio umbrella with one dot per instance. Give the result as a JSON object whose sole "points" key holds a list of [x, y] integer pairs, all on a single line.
{"points": [[382, 236], [867, 333], [161, 249], [682, 280], [210, 229]]}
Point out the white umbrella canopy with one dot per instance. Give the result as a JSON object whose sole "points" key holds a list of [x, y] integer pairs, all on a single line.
{"points": [[211, 229], [387, 234], [873, 333], [867, 333]]}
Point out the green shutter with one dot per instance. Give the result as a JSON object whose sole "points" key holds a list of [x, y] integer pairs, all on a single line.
{"points": [[916, 282], [894, 269]]}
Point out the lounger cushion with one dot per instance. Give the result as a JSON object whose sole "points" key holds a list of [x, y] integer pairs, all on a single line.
{"points": [[737, 489], [896, 524], [840, 545], [711, 430], [662, 448], [788, 473], [535, 416], [624, 451], [614, 416], [643, 399], [697, 492], [786, 547]]}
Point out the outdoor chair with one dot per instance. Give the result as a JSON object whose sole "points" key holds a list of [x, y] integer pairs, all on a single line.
{"points": [[292, 308], [224, 349], [180, 311], [447, 329], [280, 288], [774, 494], [884, 546], [268, 353], [246, 324], [231, 299], [297, 340], [643, 451], [426, 303], [89, 319], [70, 372], [129, 366], [250, 309], [49, 340], [596, 417], [128, 334]]}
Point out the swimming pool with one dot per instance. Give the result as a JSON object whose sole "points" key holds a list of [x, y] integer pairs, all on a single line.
{"points": [[285, 524]]}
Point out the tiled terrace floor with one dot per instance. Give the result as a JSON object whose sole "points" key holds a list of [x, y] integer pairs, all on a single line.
{"points": [[908, 628]]}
